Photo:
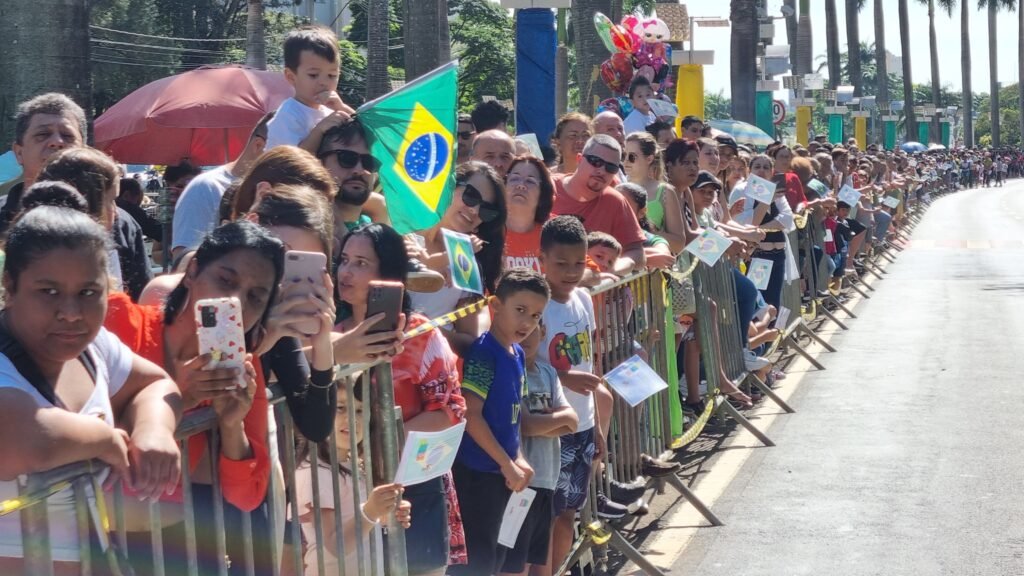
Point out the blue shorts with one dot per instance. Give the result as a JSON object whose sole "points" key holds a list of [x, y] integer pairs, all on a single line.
{"points": [[574, 477]]}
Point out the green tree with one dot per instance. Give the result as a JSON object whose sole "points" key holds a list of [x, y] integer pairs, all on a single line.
{"points": [[483, 39], [717, 106]]}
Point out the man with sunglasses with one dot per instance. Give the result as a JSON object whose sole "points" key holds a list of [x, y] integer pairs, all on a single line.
{"points": [[466, 133], [496, 148], [343, 151], [588, 194]]}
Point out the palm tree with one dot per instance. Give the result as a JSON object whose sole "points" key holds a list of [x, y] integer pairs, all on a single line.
{"points": [[993, 70], [853, 8], [832, 43], [791, 30], [255, 42], [423, 30], [377, 80], [590, 50], [33, 63], [935, 132], [965, 72], [881, 68], [804, 45], [908, 84], [743, 58]]}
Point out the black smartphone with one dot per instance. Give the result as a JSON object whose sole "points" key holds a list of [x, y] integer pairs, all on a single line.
{"points": [[385, 297]]}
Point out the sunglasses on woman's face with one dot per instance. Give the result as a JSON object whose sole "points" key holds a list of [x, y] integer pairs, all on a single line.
{"points": [[348, 159], [632, 157], [472, 198], [598, 162]]}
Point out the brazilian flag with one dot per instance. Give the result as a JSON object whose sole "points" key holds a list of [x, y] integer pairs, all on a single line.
{"points": [[411, 131]]}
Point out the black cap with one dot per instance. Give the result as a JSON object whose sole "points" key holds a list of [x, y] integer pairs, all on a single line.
{"points": [[704, 178], [727, 140]]}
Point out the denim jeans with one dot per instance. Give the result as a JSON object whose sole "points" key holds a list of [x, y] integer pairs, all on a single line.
{"points": [[746, 303], [882, 222]]}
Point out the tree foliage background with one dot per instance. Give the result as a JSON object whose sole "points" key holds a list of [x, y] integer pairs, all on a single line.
{"points": [[482, 35]]}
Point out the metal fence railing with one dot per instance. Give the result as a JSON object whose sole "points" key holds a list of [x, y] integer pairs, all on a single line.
{"points": [[634, 316]]}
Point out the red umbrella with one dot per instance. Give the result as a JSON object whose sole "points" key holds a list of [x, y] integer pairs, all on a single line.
{"points": [[205, 116]]}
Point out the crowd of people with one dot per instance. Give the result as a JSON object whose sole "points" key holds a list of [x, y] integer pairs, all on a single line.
{"points": [[100, 358]]}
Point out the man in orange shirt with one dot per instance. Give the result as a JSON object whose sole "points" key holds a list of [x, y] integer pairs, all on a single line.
{"points": [[588, 195]]}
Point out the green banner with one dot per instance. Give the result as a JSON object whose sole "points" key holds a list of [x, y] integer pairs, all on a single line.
{"points": [[945, 134], [763, 113], [835, 128], [890, 135], [922, 132]]}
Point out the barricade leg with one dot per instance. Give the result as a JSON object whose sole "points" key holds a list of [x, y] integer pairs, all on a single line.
{"points": [[742, 420], [813, 336], [832, 317], [856, 287], [692, 498], [792, 341], [767, 391], [835, 301]]}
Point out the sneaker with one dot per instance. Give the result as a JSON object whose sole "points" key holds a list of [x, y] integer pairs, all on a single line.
{"points": [[423, 279], [625, 492], [609, 510], [656, 468], [754, 362]]}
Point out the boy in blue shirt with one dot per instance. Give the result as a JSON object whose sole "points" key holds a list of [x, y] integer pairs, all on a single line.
{"points": [[490, 463]]}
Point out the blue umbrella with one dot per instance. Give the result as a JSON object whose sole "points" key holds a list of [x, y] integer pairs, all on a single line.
{"points": [[913, 147], [742, 132]]}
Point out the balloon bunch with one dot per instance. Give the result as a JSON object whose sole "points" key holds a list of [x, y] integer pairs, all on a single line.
{"points": [[639, 47]]}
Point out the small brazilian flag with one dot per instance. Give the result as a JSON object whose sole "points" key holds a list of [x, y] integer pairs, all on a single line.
{"points": [[463, 268], [411, 131]]}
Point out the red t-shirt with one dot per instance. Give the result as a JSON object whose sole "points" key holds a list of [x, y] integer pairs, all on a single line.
{"points": [[609, 213], [244, 482], [523, 249], [794, 191]]}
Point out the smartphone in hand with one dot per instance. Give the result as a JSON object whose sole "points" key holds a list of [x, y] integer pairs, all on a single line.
{"points": [[385, 297], [220, 332], [307, 270]]}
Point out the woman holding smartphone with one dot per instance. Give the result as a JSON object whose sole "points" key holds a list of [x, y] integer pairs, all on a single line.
{"points": [[425, 377], [244, 261]]}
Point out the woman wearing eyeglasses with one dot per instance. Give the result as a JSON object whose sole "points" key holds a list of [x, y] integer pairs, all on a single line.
{"points": [[529, 194], [644, 167], [478, 209]]}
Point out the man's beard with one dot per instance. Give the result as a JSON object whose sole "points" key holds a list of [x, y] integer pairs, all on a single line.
{"points": [[354, 197]]}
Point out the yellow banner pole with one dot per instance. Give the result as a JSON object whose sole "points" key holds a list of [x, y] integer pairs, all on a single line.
{"points": [[803, 124], [689, 93], [860, 131]]}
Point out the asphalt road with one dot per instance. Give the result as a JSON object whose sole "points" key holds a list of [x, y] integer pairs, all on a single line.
{"points": [[905, 456]]}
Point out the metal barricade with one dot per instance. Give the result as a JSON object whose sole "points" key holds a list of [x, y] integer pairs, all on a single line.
{"points": [[379, 457]]}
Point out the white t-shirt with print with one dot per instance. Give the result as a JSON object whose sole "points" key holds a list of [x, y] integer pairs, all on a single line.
{"points": [[293, 122], [113, 361], [568, 345]]}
